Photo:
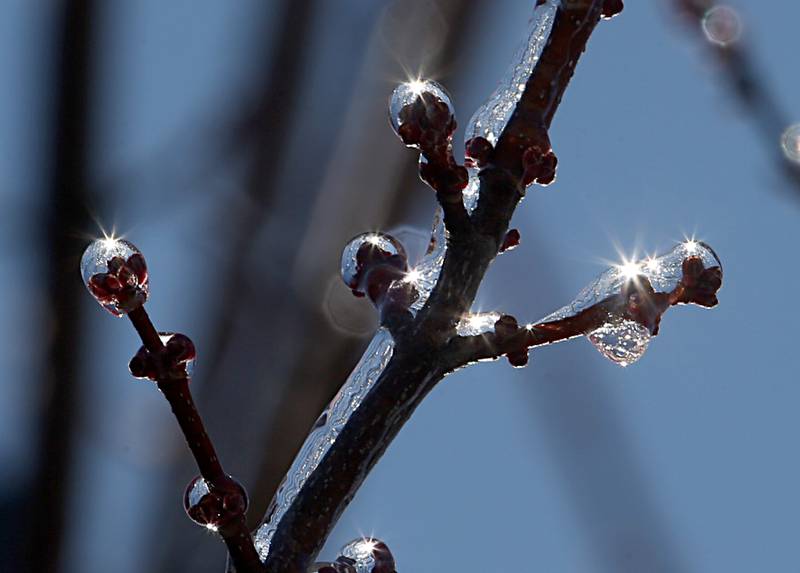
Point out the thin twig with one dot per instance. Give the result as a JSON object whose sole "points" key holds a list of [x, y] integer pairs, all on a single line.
{"points": [[176, 390]]}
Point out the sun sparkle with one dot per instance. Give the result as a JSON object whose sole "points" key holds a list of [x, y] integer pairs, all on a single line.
{"points": [[413, 276], [629, 269]]}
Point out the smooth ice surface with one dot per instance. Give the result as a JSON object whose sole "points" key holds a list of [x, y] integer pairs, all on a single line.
{"points": [[381, 241], [408, 92], [96, 256], [426, 271], [492, 117], [663, 272], [325, 432], [470, 192], [622, 342], [197, 489]]}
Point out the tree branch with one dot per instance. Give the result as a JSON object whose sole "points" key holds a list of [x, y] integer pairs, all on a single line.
{"points": [[222, 506], [422, 347]]}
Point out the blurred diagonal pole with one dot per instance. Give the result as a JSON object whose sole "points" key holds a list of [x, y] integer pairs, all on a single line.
{"points": [[744, 80], [264, 131], [65, 221]]}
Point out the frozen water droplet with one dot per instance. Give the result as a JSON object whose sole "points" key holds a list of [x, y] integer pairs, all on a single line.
{"points": [[663, 273], [368, 555], [115, 273], [199, 504], [492, 117], [790, 142], [213, 509], [622, 342], [408, 92], [323, 435], [722, 25], [365, 249]]}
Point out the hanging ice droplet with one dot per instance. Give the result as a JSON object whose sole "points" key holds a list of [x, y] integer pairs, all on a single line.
{"points": [[368, 555], [115, 273], [790, 142], [365, 250], [406, 94], [492, 117], [622, 342]]}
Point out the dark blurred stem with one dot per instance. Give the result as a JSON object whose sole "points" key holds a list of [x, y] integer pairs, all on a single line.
{"points": [[265, 132], [176, 390], [65, 220]]}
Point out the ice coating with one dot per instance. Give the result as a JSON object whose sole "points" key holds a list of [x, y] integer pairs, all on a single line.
{"points": [[96, 256], [623, 342], [471, 190], [377, 241], [663, 272], [362, 552], [324, 433], [197, 489], [492, 117], [115, 273], [407, 92], [478, 323]]}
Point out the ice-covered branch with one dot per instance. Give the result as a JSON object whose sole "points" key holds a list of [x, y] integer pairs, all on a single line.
{"points": [[618, 313], [116, 275], [423, 304]]}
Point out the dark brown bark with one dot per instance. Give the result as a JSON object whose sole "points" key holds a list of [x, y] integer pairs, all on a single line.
{"points": [[416, 365]]}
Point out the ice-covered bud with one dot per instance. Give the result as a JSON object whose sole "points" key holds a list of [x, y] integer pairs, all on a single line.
{"points": [[364, 255], [505, 328], [115, 273], [539, 165], [445, 177], [622, 309], [216, 506], [510, 241], [478, 152], [174, 361], [421, 111], [368, 555]]}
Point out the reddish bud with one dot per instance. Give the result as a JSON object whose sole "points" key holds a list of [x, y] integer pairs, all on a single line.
{"points": [[611, 8], [478, 151], [510, 241]]}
